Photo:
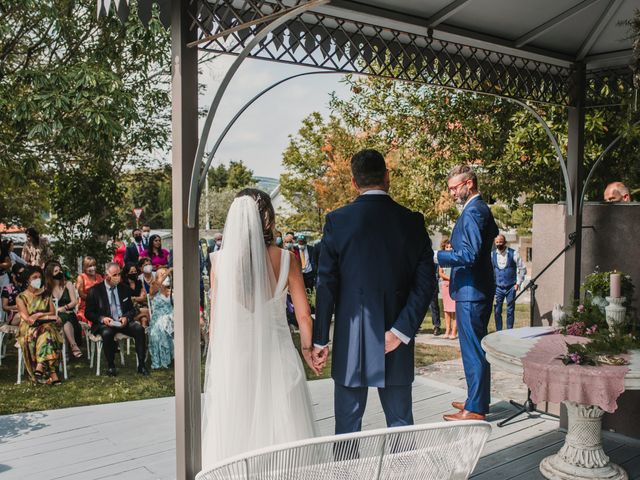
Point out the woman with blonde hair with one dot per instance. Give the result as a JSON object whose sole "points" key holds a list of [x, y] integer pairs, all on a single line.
{"points": [[451, 329], [161, 323], [87, 279]]}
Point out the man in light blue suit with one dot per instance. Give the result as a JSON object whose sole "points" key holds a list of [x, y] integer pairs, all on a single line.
{"points": [[472, 286], [376, 272]]}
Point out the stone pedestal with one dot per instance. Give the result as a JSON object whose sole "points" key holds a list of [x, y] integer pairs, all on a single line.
{"points": [[582, 456]]}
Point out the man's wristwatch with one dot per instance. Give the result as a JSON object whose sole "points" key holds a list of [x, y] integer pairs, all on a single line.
{"points": [[307, 349]]}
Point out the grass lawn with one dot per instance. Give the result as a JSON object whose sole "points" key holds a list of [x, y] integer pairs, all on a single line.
{"points": [[83, 387], [521, 320]]}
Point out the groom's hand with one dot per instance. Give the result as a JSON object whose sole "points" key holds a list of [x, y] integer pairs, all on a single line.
{"points": [[391, 342], [320, 356]]}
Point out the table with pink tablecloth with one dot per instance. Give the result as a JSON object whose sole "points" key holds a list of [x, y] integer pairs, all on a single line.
{"points": [[586, 391]]}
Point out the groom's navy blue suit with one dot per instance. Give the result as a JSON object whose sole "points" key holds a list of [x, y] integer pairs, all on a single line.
{"points": [[376, 272], [472, 286]]}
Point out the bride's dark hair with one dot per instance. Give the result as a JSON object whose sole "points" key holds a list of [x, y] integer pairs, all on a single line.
{"points": [[265, 207]]}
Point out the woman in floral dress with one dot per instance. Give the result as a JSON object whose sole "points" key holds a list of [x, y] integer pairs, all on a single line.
{"points": [[39, 331], [161, 324]]}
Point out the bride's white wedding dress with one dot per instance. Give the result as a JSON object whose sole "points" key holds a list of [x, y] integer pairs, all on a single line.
{"points": [[255, 393]]}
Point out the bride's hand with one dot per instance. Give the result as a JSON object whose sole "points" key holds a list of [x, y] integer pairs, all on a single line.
{"points": [[306, 354]]}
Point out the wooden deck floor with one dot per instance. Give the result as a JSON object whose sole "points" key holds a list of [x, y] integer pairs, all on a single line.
{"points": [[135, 440]]}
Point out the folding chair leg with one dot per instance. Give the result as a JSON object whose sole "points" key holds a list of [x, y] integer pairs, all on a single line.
{"points": [[19, 365], [3, 349], [90, 352], [86, 336], [128, 346], [64, 360], [98, 355]]}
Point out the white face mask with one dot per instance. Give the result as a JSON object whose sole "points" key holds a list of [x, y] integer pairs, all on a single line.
{"points": [[91, 270], [145, 234], [167, 282], [147, 268], [36, 283]]}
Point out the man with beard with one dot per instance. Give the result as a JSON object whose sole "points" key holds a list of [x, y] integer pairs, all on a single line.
{"points": [[472, 286], [509, 271]]}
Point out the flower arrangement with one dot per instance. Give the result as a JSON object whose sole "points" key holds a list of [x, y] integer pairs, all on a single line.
{"points": [[587, 319]]}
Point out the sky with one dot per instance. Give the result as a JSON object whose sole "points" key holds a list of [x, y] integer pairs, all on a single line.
{"points": [[261, 134]]}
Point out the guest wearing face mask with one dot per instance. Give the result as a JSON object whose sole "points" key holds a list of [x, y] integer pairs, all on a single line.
{"points": [[39, 331], [146, 233], [509, 270], [136, 249], [87, 279], [110, 309], [148, 275], [289, 243], [131, 278], [161, 325], [64, 298], [10, 294]]}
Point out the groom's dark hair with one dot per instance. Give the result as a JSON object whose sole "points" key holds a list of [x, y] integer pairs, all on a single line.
{"points": [[368, 168]]}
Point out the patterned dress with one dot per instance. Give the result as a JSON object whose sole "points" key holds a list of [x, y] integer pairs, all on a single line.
{"points": [[39, 343], [161, 331]]}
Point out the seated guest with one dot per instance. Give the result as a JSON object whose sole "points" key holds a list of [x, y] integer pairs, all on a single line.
{"points": [[138, 293], [64, 298], [159, 256], [10, 294], [110, 310], [119, 249], [136, 249], [161, 325], [87, 279], [36, 251], [148, 275], [39, 331], [5, 263]]}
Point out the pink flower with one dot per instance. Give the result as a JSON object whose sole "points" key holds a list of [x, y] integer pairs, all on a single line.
{"points": [[592, 330], [580, 309], [576, 329], [576, 358]]}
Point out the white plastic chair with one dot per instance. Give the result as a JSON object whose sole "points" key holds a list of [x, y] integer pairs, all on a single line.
{"points": [[439, 451], [96, 349], [62, 366]]}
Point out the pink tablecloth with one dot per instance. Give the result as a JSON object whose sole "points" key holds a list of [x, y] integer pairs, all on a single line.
{"points": [[552, 381]]}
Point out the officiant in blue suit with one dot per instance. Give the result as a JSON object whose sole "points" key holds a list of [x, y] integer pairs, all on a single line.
{"points": [[472, 286], [376, 272]]}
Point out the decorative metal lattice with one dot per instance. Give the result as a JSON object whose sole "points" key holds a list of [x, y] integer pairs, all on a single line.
{"points": [[333, 43], [609, 86]]}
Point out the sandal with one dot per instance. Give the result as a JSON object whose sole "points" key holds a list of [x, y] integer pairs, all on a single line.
{"points": [[39, 374], [55, 381], [75, 350]]}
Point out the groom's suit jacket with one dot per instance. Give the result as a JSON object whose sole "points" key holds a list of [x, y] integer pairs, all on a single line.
{"points": [[376, 272], [472, 277]]}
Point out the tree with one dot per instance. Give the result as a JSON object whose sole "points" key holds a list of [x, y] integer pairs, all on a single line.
{"points": [[424, 131], [149, 189], [80, 98], [224, 183]]}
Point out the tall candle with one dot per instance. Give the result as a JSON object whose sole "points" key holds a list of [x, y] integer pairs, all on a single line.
{"points": [[615, 285]]}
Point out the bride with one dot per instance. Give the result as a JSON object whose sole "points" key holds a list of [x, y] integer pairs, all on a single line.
{"points": [[255, 392]]}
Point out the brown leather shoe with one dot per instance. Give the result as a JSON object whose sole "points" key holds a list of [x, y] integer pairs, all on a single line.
{"points": [[458, 405], [463, 415]]}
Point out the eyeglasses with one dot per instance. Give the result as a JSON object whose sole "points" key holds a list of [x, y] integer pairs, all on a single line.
{"points": [[455, 187]]}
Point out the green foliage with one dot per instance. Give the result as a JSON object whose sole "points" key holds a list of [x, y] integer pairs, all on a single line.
{"points": [[598, 284], [80, 98], [149, 189], [234, 177]]}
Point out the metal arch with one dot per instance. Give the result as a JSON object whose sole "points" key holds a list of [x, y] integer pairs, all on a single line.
{"points": [[560, 157], [596, 164], [203, 173], [194, 189]]}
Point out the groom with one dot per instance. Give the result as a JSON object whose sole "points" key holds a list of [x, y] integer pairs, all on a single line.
{"points": [[376, 272]]}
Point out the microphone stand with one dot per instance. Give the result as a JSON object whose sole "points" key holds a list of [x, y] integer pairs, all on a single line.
{"points": [[528, 406]]}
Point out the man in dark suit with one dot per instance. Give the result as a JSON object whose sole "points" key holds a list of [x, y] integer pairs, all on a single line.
{"points": [[376, 272], [110, 308], [472, 286], [136, 249]]}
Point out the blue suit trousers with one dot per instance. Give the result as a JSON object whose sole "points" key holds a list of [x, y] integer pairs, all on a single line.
{"points": [[502, 294], [473, 319], [350, 402]]}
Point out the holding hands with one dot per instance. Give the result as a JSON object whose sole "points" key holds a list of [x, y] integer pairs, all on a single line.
{"points": [[320, 356]]}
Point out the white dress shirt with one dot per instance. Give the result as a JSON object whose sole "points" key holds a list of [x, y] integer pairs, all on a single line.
{"points": [[501, 260]]}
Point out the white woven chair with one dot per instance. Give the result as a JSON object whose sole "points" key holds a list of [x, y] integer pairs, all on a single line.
{"points": [[6, 330], [62, 366], [96, 349], [439, 451]]}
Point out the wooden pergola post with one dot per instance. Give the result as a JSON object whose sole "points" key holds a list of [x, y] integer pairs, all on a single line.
{"points": [[184, 91]]}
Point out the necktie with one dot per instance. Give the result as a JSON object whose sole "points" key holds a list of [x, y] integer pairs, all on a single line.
{"points": [[140, 249], [114, 304], [302, 258]]}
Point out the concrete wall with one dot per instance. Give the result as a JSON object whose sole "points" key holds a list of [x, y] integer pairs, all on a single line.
{"points": [[609, 241]]}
